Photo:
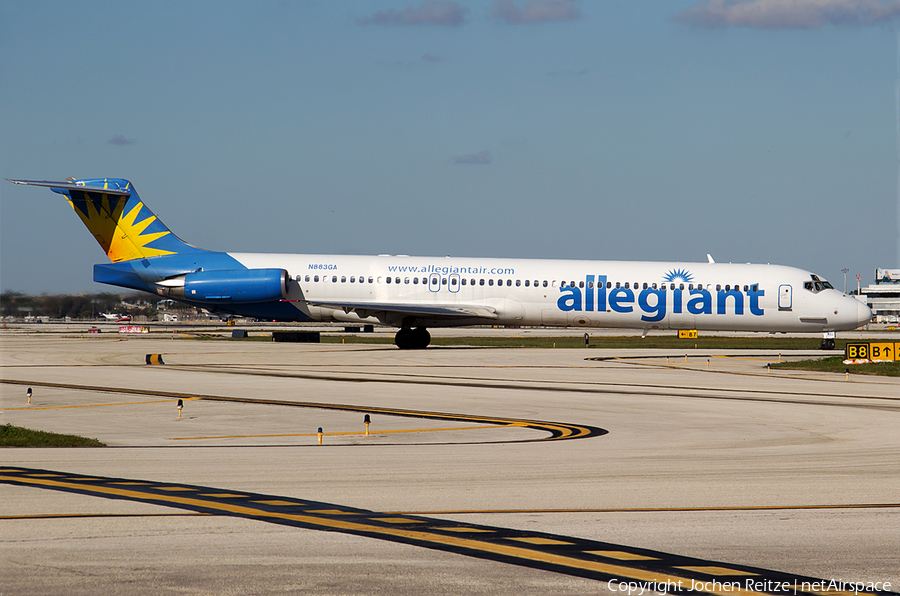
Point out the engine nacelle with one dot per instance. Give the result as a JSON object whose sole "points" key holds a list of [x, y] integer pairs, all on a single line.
{"points": [[232, 286]]}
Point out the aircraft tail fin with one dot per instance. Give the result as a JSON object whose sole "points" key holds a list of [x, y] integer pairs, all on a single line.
{"points": [[112, 211]]}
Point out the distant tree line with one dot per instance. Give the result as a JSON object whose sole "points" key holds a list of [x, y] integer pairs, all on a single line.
{"points": [[76, 306]]}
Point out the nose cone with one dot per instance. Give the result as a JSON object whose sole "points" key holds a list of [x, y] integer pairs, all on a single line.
{"points": [[863, 314]]}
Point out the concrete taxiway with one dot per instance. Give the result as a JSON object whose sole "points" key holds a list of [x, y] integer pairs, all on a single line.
{"points": [[485, 471]]}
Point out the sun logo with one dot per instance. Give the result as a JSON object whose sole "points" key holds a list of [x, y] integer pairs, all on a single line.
{"points": [[678, 275], [118, 232]]}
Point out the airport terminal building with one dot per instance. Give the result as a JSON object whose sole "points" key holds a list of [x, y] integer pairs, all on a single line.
{"points": [[884, 296]]}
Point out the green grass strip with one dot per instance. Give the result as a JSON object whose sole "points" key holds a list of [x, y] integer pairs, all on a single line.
{"points": [[836, 364], [17, 436]]}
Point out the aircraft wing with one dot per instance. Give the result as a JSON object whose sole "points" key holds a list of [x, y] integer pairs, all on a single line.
{"points": [[423, 310]]}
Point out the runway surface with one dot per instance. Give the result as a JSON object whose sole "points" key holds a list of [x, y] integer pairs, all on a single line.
{"points": [[485, 471]]}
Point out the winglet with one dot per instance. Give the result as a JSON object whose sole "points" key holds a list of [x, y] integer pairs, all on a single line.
{"points": [[709, 258]]}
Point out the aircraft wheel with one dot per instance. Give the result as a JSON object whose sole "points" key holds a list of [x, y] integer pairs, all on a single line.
{"points": [[405, 339], [423, 338], [827, 344]]}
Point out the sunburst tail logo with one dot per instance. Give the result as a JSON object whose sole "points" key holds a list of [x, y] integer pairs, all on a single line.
{"points": [[121, 224], [682, 275]]}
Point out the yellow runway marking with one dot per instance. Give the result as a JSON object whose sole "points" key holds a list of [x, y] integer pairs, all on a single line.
{"points": [[562, 554], [328, 511], [88, 515], [359, 433], [652, 509], [125, 403], [557, 430], [536, 540], [713, 570], [280, 503], [621, 555]]}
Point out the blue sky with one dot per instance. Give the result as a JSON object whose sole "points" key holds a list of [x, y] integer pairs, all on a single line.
{"points": [[757, 131]]}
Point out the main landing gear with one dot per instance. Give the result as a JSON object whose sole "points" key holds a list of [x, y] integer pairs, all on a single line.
{"points": [[412, 339]]}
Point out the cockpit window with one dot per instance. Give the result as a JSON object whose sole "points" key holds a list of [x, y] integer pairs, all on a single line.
{"points": [[817, 285]]}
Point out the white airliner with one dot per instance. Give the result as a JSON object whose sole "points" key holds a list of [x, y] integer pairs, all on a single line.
{"points": [[414, 293], [115, 317]]}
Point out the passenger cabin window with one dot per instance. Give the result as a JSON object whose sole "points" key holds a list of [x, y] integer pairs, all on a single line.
{"points": [[406, 280], [580, 284], [627, 286], [508, 282], [545, 283], [480, 282], [526, 282], [490, 282], [463, 281], [334, 279], [352, 279], [452, 281], [387, 279], [307, 278], [316, 279]]}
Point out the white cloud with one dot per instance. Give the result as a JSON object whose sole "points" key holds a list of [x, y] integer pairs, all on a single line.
{"points": [[481, 158], [120, 140], [429, 12], [535, 11], [790, 14]]}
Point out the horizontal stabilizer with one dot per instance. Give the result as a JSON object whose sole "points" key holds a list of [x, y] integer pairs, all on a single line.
{"points": [[70, 186]]}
